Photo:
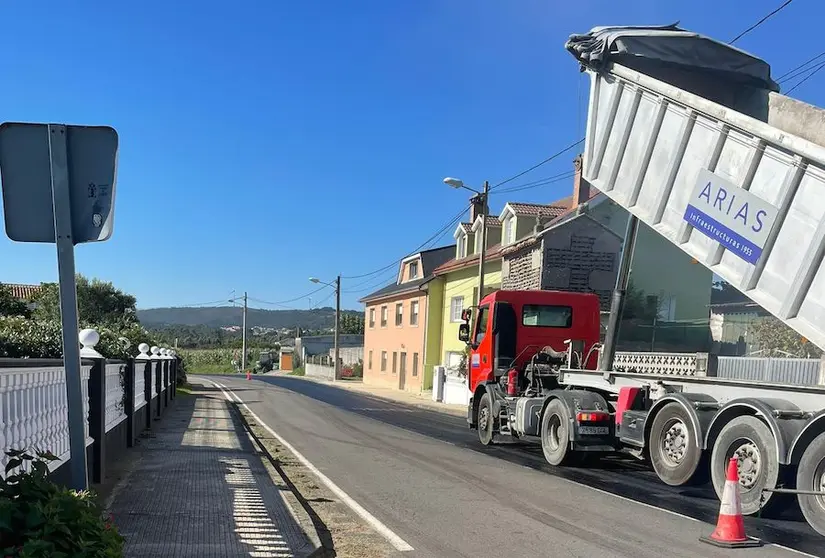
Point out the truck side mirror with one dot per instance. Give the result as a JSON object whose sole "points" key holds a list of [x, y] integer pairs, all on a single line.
{"points": [[464, 332]]}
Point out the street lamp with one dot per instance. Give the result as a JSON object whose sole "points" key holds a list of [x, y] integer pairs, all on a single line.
{"points": [[337, 287], [482, 198]]}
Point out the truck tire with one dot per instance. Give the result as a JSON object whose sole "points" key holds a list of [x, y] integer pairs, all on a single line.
{"points": [[555, 433], [810, 475], [751, 441], [674, 454], [485, 420]]}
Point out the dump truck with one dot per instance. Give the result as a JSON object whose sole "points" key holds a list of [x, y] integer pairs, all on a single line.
{"points": [[692, 137]]}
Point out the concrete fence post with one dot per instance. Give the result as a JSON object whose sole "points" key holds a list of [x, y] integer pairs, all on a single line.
{"points": [[129, 403], [822, 370], [164, 356], [707, 364], [97, 402], [143, 365], [157, 373], [174, 367]]}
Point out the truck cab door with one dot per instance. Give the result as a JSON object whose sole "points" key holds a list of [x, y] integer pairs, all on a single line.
{"points": [[481, 356]]}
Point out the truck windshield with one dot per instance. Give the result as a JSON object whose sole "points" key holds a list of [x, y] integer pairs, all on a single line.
{"points": [[546, 315]]}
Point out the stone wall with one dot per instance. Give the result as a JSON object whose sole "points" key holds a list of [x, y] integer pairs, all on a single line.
{"points": [[521, 271]]}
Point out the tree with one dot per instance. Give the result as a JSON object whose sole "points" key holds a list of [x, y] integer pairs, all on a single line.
{"points": [[10, 305], [636, 305], [777, 339], [352, 324], [98, 303]]}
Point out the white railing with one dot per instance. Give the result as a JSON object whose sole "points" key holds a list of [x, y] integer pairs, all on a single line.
{"points": [[115, 412], [34, 413], [154, 378], [140, 386], [677, 364]]}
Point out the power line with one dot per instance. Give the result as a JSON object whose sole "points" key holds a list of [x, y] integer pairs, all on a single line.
{"points": [[786, 76], [537, 183], [537, 165], [809, 76], [282, 302], [438, 234], [761, 21]]}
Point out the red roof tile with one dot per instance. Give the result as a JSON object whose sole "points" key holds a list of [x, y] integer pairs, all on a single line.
{"points": [[23, 292], [461, 263]]}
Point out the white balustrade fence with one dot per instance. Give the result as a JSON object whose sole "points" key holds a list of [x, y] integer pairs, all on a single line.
{"points": [[34, 413], [140, 386], [34, 409], [115, 411]]}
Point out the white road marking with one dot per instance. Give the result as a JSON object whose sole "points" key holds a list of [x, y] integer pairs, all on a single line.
{"points": [[507, 450], [397, 542]]}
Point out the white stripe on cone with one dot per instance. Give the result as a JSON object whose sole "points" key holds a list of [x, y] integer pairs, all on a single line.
{"points": [[731, 500]]}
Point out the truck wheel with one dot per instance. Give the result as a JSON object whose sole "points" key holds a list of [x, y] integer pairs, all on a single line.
{"points": [[555, 433], [674, 454], [810, 475], [749, 440], [485, 420]]}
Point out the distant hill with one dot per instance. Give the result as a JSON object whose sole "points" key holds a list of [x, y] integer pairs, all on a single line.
{"points": [[319, 318]]}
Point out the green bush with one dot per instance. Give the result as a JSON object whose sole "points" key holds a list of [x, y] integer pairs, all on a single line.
{"points": [[28, 338], [39, 518]]}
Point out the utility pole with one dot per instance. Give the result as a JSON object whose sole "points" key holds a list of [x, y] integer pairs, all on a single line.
{"points": [[337, 325], [243, 338], [484, 208]]}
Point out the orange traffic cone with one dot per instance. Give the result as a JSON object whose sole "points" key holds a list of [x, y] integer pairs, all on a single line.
{"points": [[730, 529]]}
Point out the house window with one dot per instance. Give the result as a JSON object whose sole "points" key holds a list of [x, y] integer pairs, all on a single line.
{"points": [[456, 308], [413, 270], [461, 247], [403, 364], [394, 362], [399, 314], [369, 361], [383, 361], [372, 317], [508, 229], [383, 316], [478, 242], [415, 365], [414, 313]]}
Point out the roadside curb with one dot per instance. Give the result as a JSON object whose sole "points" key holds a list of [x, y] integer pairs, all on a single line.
{"points": [[319, 546], [443, 411]]}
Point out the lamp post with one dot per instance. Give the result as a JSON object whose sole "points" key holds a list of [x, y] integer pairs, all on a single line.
{"points": [[482, 198], [337, 287]]}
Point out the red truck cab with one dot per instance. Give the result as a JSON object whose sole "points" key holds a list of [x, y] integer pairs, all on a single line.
{"points": [[509, 327]]}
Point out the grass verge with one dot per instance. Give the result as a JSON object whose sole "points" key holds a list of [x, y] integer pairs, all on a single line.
{"points": [[185, 389], [297, 372], [208, 369]]}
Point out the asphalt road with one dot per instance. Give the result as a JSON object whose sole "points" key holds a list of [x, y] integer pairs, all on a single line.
{"points": [[424, 475]]}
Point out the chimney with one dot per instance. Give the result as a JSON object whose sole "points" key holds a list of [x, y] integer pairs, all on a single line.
{"points": [[581, 188], [475, 208]]}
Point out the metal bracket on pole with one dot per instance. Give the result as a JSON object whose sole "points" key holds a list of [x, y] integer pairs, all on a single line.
{"points": [[61, 199]]}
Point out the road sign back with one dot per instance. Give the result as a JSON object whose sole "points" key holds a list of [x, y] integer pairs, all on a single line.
{"points": [[27, 173]]}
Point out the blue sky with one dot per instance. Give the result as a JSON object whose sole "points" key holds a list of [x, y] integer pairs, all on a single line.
{"points": [[265, 142]]}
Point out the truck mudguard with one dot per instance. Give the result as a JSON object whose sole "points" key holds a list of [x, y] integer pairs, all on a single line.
{"points": [[700, 420], [578, 400], [784, 431], [811, 430]]}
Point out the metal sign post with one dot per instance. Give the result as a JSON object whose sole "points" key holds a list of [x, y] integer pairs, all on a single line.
{"points": [[58, 187], [61, 200]]}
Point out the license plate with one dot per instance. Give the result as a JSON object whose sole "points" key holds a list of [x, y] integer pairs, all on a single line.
{"points": [[595, 430]]}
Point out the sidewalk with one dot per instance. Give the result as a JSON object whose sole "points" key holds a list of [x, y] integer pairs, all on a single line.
{"points": [[201, 489], [423, 400]]}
